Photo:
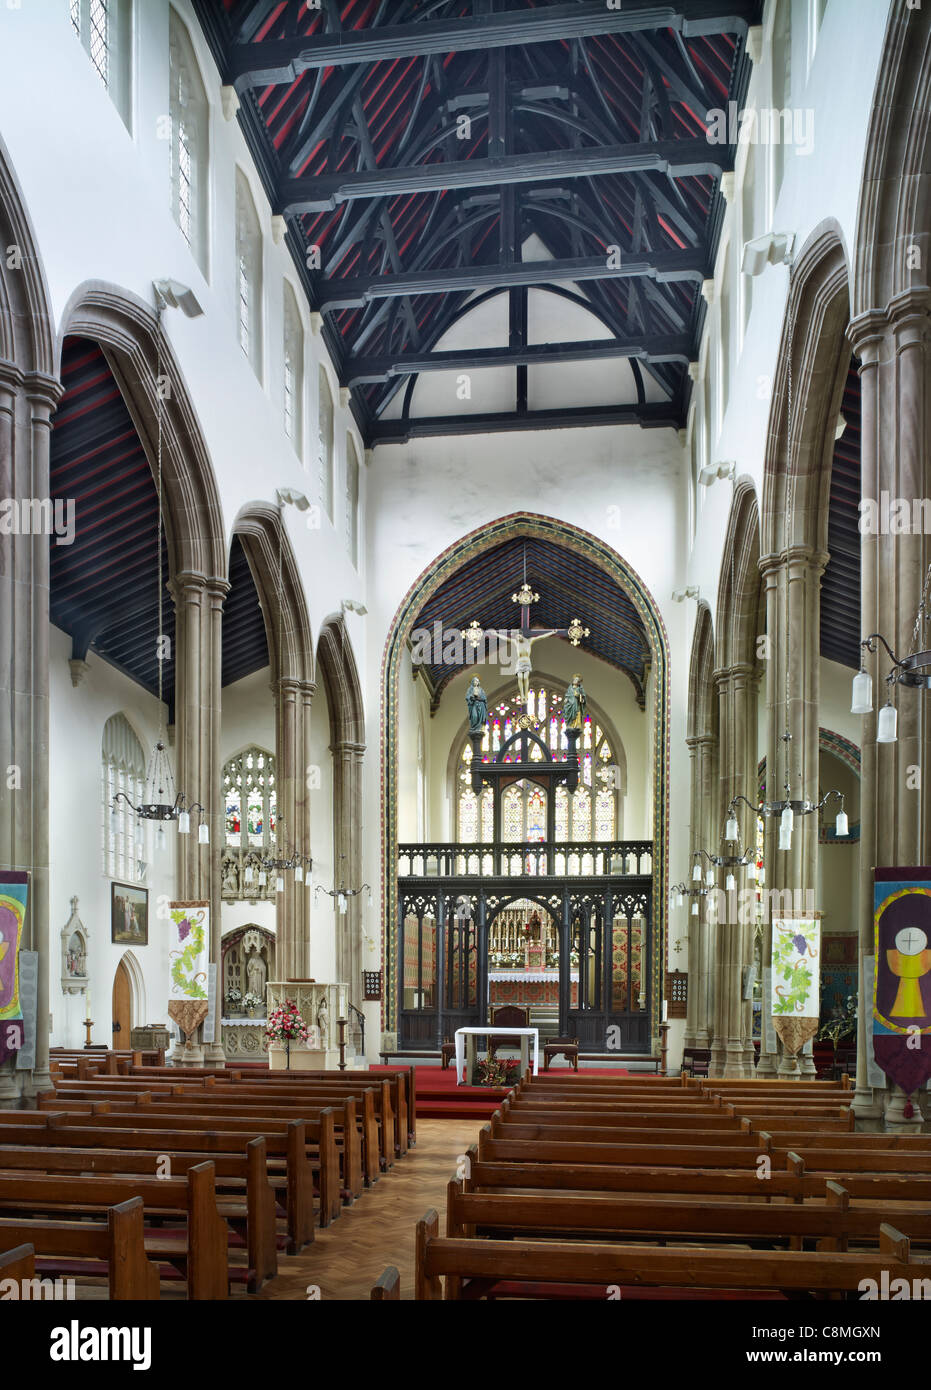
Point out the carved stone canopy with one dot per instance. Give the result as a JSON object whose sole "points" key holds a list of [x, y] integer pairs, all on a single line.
{"points": [[74, 967]]}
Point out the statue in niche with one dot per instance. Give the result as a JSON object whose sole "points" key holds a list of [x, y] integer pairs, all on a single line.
{"points": [[477, 703], [323, 1022], [573, 705], [231, 877], [76, 963], [256, 974]]}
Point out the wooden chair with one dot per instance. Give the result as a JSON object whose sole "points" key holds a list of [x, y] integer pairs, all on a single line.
{"points": [[568, 1047], [448, 1053], [696, 1061], [507, 1016]]}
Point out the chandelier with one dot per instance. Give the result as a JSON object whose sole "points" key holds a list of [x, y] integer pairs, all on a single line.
{"points": [[342, 894], [160, 802], [280, 862], [913, 671]]}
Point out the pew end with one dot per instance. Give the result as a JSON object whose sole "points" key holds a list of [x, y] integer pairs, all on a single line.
{"points": [[388, 1287], [19, 1264], [428, 1288]]}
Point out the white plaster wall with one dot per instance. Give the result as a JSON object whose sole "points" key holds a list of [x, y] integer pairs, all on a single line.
{"points": [[324, 921], [76, 721]]}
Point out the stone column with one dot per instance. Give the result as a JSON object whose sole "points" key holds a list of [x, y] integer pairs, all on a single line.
{"points": [[347, 838], [294, 698], [894, 348], [26, 405], [701, 933], [737, 774], [198, 677]]}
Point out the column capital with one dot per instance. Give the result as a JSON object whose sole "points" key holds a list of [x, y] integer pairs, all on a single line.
{"points": [[700, 741], [739, 670], [805, 556], [42, 390], [868, 329], [347, 748]]}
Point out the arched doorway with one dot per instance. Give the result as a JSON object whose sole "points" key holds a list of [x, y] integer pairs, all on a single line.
{"points": [[122, 1007]]}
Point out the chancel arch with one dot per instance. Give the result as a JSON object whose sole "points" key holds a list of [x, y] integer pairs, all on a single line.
{"points": [[480, 573]]}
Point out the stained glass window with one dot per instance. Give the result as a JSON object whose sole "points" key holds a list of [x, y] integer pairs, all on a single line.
{"points": [[123, 770], [249, 782], [591, 812]]}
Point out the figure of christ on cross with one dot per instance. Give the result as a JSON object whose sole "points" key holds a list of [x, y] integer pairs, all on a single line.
{"points": [[522, 641]]}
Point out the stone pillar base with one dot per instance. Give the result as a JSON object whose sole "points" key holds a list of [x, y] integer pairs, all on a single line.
{"points": [[894, 1119], [768, 1064], [867, 1104], [214, 1056], [789, 1069]]}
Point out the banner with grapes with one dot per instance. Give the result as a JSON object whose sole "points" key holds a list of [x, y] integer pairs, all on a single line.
{"points": [[188, 950]]}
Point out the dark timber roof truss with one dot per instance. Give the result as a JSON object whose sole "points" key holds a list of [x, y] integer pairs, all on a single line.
{"points": [[413, 146]]}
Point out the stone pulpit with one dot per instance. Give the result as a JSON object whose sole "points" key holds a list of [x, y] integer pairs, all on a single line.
{"points": [[320, 1005]]}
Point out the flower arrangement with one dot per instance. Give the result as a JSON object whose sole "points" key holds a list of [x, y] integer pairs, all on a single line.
{"points": [[492, 1071], [842, 1025], [285, 1025], [251, 1002], [233, 996]]}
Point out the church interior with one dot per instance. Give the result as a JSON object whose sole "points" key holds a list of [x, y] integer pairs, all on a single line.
{"points": [[465, 586]]}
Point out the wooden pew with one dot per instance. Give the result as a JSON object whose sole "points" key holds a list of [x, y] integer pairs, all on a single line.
{"points": [[627, 1216], [371, 1104], [19, 1264], [527, 1268], [292, 1171], [255, 1215], [318, 1136], [202, 1255], [388, 1287], [118, 1243], [501, 1147]]}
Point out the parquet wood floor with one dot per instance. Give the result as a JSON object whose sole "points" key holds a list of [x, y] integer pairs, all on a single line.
{"points": [[378, 1230]]}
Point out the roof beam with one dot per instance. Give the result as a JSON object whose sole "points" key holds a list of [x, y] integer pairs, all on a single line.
{"points": [[282, 60], [675, 158], [661, 266], [653, 415], [673, 347]]}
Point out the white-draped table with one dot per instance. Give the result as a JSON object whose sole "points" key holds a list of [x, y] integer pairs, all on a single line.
{"points": [[465, 1047]]}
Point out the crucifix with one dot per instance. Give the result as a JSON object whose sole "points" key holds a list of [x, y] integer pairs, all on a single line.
{"points": [[523, 639]]}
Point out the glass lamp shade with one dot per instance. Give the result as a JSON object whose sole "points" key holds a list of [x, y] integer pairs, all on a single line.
{"points": [[709, 878], [840, 825], [184, 823], [730, 830], [862, 697], [694, 909], [788, 820], [761, 875], [679, 900], [341, 902], [785, 835], [886, 724], [730, 883], [263, 878], [249, 875], [696, 872], [751, 871], [203, 833], [279, 884], [299, 874]]}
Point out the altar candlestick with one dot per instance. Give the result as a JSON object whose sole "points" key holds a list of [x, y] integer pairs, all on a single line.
{"points": [[665, 1010]]}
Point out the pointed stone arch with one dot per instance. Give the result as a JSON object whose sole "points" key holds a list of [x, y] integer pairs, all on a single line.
{"points": [[337, 665], [261, 530], [739, 582], [475, 543], [29, 390], [702, 742]]}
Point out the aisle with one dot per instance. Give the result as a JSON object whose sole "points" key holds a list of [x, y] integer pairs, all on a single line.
{"points": [[346, 1259]]}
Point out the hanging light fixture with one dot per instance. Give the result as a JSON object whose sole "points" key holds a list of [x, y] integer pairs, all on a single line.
{"points": [[160, 801], [913, 671], [342, 894]]}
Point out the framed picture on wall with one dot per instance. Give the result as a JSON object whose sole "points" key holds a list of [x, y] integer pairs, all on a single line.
{"points": [[129, 915]]}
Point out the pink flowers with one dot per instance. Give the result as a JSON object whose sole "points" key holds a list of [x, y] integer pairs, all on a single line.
{"points": [[285, 1024]]}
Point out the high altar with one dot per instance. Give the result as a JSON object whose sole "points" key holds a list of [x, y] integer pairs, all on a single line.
{"points": [[320, 1005], [524, 960]]}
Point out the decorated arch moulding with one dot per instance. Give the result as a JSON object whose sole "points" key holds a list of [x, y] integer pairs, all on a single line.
{"points": [[260, 528], [476, 543], [815, 323], [846, 752], [126, 328], [27, 337], [336, 661]]}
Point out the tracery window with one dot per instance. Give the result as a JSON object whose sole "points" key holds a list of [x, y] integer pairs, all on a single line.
{"points": [[249, 787], [122, 770], [103, 26], [590, 813], [249, 273], [188, 112], [293, 371], [325, 423]]}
